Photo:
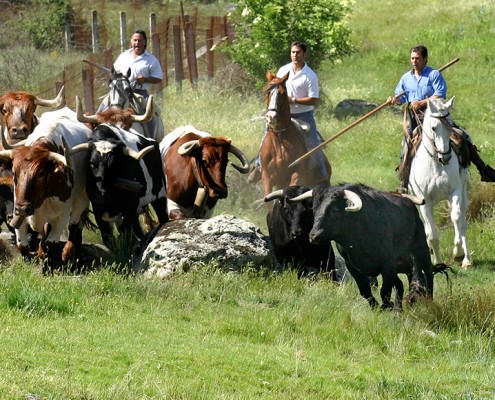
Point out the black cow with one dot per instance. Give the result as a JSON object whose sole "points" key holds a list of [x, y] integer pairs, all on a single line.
{"points": [[376, 233], [125, 174], [289, 225]]}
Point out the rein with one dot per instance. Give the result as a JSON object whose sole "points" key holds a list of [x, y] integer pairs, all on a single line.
{"points": [[437, 152]]}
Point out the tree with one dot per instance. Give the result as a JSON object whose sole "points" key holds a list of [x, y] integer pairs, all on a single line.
{"points": [[264, 30]]}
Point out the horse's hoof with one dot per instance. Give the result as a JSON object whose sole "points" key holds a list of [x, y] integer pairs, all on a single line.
{"points": [[466, 264]]}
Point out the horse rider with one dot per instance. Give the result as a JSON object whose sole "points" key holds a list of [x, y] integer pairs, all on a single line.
{"points": [[303, 92], [145, 69], [420, 84]]}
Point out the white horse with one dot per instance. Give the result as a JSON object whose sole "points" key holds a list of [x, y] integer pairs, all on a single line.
{"points": [[436, 175]]}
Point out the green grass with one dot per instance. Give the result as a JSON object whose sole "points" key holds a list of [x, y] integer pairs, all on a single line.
{"points": [[208, 334]]}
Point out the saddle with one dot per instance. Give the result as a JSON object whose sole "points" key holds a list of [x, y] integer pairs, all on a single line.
{"points": [[458, 141], [303, 129]]}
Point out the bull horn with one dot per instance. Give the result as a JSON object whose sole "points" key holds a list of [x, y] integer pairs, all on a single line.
{"points": [[137, 155], [67, 153], [242, 158], [6, 153], [354, 201], [415, 199], [277, 194], [85, 119], [58, 158], [148, 114], [186, 148], [79, 147], [8, 146], [54, 103], [5, 144], [301, 197]]}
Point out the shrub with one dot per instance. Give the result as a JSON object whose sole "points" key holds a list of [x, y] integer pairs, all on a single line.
{"points": [[44, 30], [265, 29]]}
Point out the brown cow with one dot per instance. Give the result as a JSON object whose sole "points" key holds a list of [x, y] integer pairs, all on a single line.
{"points": [[18, 109], [195, 166], [123, 118], [50, 186]]}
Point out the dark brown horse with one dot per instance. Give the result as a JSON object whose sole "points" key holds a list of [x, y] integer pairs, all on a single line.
{"points": [[283, 144]]}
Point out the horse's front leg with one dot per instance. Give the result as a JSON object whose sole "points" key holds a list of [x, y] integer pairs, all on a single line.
{"points": [[458, 217], [432, 237]]}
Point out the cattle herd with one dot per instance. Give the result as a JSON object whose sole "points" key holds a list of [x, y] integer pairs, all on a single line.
{"points": [[56, 167]]}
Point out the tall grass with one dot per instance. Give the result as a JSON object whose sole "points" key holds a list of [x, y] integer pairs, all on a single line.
{"points": [[208, 334]]}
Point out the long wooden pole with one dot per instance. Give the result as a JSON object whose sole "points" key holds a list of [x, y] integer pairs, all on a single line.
{"points": [[357, 122]]}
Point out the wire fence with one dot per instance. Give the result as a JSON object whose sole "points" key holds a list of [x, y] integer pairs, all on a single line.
{"points": [[183, 43]]}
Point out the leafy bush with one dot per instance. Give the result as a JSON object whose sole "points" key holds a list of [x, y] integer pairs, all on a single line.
{"points": [[44, 30], [265, 29]]}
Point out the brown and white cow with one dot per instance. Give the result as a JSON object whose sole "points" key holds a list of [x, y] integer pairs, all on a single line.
{"points": [[18, 110], [50, 186], [123, 118], [195, 167]]}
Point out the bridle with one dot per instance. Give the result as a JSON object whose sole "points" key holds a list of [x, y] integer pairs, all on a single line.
{"points": [[437, 155], [121, 91], [273, 105]]}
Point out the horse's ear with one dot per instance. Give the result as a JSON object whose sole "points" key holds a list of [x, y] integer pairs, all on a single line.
{"points": [[128, 74], [284, 78], [450, 103], [269, 75], [432, 106], [113, 70]]}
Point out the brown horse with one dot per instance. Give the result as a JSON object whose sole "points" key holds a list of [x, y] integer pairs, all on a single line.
{"points": [[283, 144]]}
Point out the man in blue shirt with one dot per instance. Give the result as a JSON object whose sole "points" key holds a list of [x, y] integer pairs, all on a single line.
{"points": [[420, 84]]}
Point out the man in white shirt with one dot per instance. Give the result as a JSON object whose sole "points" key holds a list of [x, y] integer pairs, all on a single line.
{"points": [[145, 69], [303, 92]]}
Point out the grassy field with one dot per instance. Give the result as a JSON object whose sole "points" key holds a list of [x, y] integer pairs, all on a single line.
{"points": [[208, 334]]}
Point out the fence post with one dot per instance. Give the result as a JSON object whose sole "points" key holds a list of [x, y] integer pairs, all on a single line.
{"points": [[152, 24], [191, 54], [165, 53], [87, 79], [179, 71], [58, 86], [67, 32], [108, 58], [210, 59], [96, 37], [155, 41], [123, 29]]}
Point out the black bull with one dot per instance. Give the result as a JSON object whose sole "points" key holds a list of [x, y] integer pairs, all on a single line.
{"points": [[289, 225], [377, 233]]}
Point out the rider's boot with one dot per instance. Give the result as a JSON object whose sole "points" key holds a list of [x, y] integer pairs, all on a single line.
{"points": [[255, 173], [404, 169], [487, 173]]}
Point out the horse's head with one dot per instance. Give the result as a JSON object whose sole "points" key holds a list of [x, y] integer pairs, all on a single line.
{"points": [[437, 128], [121, 89], [277, 102]]}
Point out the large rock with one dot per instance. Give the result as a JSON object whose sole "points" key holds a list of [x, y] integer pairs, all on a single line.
{"points": [[353, 108], [225, 240]]}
